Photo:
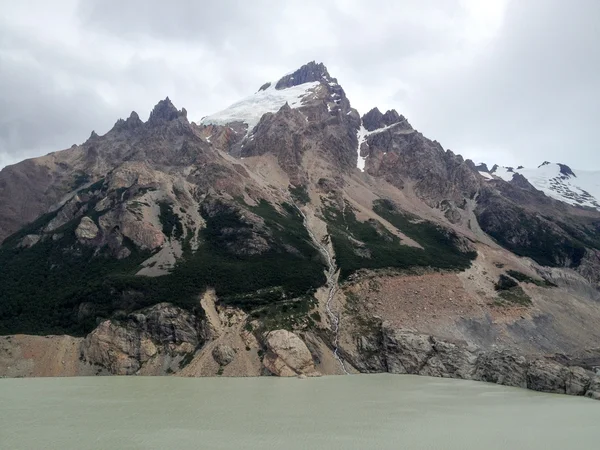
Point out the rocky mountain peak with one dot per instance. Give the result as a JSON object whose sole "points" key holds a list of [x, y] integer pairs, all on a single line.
{"points": [[374, 119], [306, 74], [132, 122], [165, 111]]}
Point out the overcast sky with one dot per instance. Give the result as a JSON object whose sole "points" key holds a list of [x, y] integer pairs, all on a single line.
{"points": [[511, 82]]}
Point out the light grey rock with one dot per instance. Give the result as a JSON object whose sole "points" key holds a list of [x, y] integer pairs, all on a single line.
{"points": [[501, 367], [288, 355], [406, 352], [86, 230], [577, 382], [547, 376], [223, 354], [123, 347], [449, 361], [29, 240], [594, 388]]}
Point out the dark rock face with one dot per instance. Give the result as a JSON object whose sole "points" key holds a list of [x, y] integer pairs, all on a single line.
{"points": [[374, 120], [244, 233], [482, 168], [165, 111], [325, 124], [566, 171], [521, 182], [398, 154], [408, 352], [524, 232], [280, 134], [265, 86], [133, 122], [307, 73]]}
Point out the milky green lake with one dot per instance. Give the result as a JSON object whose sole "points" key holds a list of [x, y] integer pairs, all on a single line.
{"points": [[344, 412]]}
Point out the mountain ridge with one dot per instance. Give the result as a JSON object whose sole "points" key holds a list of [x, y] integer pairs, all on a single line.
{"points": [[226, 224], [556, 180]]}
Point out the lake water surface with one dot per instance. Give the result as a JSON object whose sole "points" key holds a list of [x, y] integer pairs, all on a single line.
{"points": [[343, 412]]}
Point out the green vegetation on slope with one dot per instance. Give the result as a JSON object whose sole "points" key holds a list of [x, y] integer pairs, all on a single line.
{"points": [[300, 194], [547, 240], [171, 225], [510, 291], [520, 276], [43, 287], [369, 245]]}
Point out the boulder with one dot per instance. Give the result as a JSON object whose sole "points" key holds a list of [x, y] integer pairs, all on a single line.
{"points": [[29, 240], [287, 355], [223, 354], [86, 230]]}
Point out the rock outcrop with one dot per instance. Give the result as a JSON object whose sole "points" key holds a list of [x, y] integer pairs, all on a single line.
{"points": [[87, 230], [409, 352], [374, 120], [162, 332], [288, 355]]}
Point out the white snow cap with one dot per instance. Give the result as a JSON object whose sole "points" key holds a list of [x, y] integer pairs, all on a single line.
{"points": [[252, 108]]}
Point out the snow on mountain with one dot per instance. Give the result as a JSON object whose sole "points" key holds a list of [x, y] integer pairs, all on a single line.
{"points": [[252, 108], [362, 133], [558, 181]]}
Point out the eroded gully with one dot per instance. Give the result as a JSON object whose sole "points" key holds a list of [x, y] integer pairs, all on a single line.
{"points": [[332, 277]]}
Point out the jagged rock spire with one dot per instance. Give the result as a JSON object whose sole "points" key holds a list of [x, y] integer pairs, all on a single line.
{"points": [[374, 119], [132, 122], [165, 111]]}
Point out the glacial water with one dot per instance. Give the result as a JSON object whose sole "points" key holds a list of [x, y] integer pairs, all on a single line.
{"points": [[343, 412]]}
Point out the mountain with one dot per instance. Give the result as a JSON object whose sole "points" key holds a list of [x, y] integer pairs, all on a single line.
{"points": [[286, 235], [558, 181]]}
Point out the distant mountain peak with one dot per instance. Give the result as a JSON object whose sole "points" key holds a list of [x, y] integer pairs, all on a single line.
{"points": [[308, 73], [556, 180], [165, 111]]}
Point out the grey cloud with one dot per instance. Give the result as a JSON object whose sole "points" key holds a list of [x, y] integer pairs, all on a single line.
{"points": [[530, 94], [535, 92], [38, 115]]}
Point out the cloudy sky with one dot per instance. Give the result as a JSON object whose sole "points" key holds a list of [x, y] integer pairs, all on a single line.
{"points": [[506, 81]]}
